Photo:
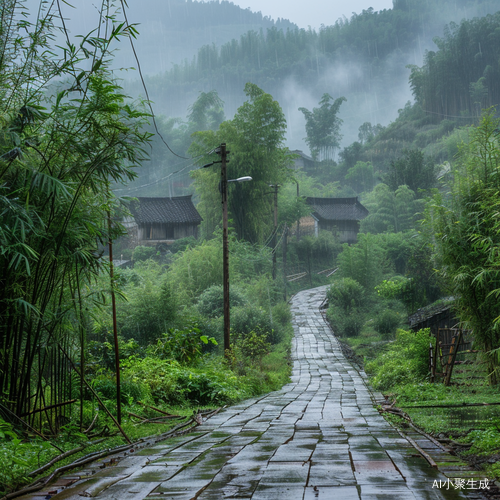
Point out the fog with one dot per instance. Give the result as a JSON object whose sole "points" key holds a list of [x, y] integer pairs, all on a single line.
{"points": [[171, 31]]}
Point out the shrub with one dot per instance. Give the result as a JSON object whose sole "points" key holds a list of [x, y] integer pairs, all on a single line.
{"points": [[184, 345], [346, 294], [181, 244], [249, 318], [254, 345], [387, 322], [211, 301], [171, 383], [346, 324], [405, 361], [130, 391], [143, 253]]}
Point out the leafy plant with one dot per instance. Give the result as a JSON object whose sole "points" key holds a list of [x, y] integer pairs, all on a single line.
{"points": [[184, 345], [404, 361]]}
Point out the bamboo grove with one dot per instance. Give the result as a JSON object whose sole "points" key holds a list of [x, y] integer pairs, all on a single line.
{"points": [[66, 132]]}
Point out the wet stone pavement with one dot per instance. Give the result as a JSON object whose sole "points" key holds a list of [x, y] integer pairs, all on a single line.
{"points": [[320, 437]]}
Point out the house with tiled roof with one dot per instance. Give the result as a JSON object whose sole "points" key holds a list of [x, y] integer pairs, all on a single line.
{"points": [[339, 215], [162, 220]]}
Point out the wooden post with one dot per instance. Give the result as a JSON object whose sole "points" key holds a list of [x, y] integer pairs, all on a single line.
{"points": [[115, 329], [452, 357], [225, 250], [285, 243]]}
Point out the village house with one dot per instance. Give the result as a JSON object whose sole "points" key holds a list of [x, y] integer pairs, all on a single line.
{"points": [[338, 215], [158, 221]]}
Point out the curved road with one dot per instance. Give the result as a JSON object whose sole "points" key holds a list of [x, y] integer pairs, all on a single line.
{"points": [[319, 437]]}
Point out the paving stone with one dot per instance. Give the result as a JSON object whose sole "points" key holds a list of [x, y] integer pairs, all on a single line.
{"points": [[319, 437]]}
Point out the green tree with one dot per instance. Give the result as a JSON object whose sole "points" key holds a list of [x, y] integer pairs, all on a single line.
{"points": [[255, 140], [466, 238], [66, 131], [412, 169], [390, 211], [363, 262], [323, 127], [360, 177]]}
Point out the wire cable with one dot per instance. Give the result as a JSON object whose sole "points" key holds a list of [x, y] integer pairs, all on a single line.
{"points": [[123, 4]]}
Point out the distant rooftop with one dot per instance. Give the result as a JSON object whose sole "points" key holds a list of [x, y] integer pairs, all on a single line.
{"points": [[338, 208], [179, 209], [300, 153]]}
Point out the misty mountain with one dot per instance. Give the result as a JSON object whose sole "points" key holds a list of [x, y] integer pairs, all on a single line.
{"points": [[171, 31], [363, 58]]}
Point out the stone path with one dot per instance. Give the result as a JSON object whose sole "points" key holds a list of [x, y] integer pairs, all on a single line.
{"points": [[320, 437]]}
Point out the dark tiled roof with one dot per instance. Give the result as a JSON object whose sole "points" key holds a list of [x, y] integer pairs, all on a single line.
{"points": [[338, 208], [178, 210]]}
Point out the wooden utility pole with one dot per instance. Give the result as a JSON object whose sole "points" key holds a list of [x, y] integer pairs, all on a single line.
{"points": [[225, 249], [115, 329], [285, 243], [275, 186]]}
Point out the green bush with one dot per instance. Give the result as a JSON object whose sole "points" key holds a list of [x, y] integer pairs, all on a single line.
{"points": [[405, 361], [249, 318], [143, 253], [181, 244], [184, 345], [170, 382], [130, 391], [346, 294], [387, 322], [254, 345], [346, 324], [211, 301]]}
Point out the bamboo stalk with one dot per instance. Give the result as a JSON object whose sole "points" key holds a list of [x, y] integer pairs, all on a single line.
{"points": [[98, 398]]}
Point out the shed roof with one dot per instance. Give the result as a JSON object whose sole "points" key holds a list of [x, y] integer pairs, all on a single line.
{"points": [[338, 208], [176, 210]]}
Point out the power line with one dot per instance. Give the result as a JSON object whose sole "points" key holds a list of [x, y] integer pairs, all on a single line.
{"points": [[123, 4]]}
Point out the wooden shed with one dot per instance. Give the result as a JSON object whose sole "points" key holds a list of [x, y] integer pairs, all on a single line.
{"points": [[163, 220], [340, 215]]}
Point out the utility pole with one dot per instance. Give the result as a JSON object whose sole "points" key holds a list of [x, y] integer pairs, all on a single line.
{"points": [[115, 329], [285, 243], [225, 249], [275, 186]]}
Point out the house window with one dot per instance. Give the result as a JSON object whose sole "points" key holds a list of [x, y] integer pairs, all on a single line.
{"points": [[169, 232]]}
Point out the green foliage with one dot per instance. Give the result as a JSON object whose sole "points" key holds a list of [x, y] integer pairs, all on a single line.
{"points": [[253, 345], [211, 301], [405, 361], [412, 169], [361, 177], [151, 306], [141, 253], [247, 318], [346, 324], [457, 78], [130, 391], [387, 322], [183, 345], [363, 262], [170, 382], [323, 127], [255, 139], [346, 294], [67, 131], [390, 211], [182, 244], [465, 237]]}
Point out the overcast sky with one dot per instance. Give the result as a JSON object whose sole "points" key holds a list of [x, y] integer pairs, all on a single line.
{"points": [[312, 13]]}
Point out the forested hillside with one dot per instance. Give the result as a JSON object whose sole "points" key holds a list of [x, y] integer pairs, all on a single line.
{"points": [[367, 59], [174, 30]]}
